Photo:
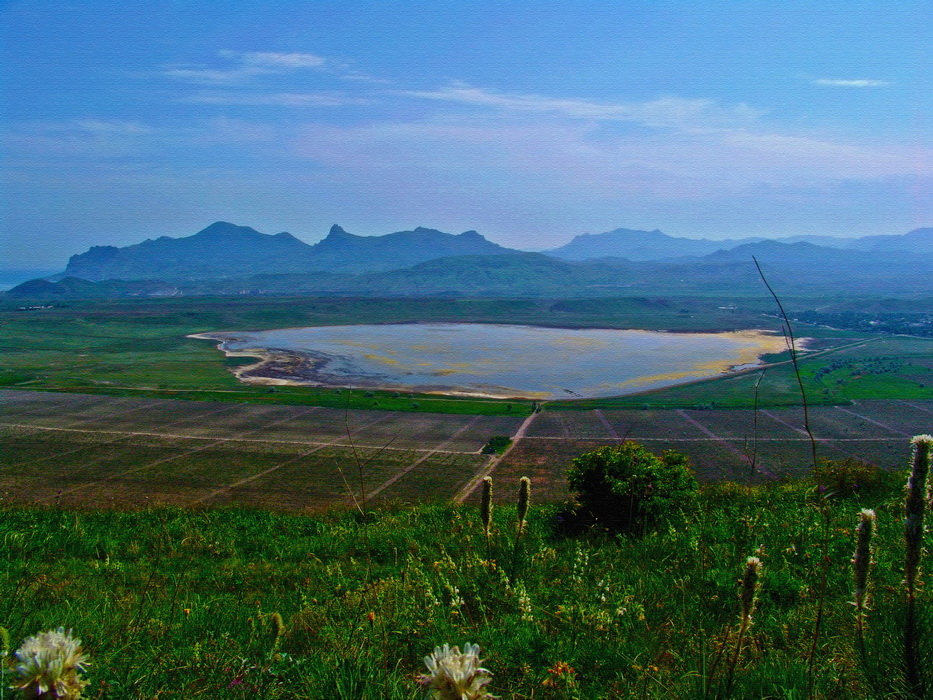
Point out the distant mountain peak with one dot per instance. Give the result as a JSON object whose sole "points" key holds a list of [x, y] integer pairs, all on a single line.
{"points": [[224, 228], [337, 231]]}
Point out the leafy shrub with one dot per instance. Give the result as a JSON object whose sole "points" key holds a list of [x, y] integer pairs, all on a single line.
{"points": [[848, 476], [626, 488], [496, 444]]}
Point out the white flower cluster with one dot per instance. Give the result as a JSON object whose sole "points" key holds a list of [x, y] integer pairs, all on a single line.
{"points": [[455, 675], [49, 664]]}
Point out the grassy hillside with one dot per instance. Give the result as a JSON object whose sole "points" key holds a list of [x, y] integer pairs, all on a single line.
{"points": [[246, 604]]}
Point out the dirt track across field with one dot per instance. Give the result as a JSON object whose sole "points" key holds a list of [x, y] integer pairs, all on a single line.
{"points": [[87, 450]]}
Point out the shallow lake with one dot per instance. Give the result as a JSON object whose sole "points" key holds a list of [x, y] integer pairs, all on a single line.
{"points": [[493, 360]]}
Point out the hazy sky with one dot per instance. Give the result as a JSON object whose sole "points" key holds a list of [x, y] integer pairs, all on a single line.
{"points": [[530, 122]]}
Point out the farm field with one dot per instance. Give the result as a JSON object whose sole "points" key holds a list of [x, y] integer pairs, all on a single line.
{"points": [[100, 451]]}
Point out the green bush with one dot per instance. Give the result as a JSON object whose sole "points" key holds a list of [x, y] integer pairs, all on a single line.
{"points": [[626, 488], [847, 476]]}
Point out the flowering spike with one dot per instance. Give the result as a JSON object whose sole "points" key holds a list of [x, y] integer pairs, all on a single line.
{"points": [[486, 505], [861, 562], [524, 500], [750, 588], [913, 508]]}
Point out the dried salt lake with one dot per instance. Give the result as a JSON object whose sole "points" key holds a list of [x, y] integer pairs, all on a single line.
{"points": [[492, 360]]}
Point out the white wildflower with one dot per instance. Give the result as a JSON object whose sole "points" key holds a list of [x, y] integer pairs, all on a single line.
{"points": [[455, 675], [49, 664]]}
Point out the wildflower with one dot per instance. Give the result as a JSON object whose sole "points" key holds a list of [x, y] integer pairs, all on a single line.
{"points": [[561, 673], [49, 664], [455, 675]]}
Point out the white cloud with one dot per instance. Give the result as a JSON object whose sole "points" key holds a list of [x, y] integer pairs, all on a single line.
{"points": [[281, 99], [286, 61], [663, 112], [123, 128], [850, 83], [246, 65]]}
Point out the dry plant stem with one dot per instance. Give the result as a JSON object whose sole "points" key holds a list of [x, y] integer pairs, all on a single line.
{"points": [[914, 505], [356, 456], [753, 457], [793, 359], [825, 563], [360, 501]]}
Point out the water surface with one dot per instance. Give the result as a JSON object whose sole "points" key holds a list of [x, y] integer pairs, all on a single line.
{"points": [[493, 360]]}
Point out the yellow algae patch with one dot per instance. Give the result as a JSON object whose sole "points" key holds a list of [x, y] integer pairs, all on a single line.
{"points": [[760, 343], [579, 342], [358, 344], [381, 359]]}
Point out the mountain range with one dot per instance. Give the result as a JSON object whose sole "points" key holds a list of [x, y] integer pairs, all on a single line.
{"points": [[228, 259], [224, 250]]}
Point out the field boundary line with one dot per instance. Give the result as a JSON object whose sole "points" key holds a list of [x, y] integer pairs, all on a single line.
{"points": [[246, 480], [914, 405], [120, 435], [440, 449], [487, 468], [235, 438], [721, 440], [786, 424], [76, 409], [637, 438], [613, 433], [872, 420], [111, 477]]}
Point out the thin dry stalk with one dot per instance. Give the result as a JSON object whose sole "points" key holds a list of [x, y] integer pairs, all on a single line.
{"points": [[793, 358]]}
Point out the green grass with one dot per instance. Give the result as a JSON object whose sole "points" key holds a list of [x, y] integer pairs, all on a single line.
{"points": [[180, 603]]}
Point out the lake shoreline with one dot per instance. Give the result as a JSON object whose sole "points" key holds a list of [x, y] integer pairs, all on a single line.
{"points": [[277, 366]]}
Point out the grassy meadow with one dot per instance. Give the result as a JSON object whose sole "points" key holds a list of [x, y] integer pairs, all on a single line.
{"points": [[240, 603]]}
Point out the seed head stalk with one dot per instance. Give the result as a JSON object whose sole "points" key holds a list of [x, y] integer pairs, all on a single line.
{"points": [[861, 564], [524, 500], [486, 509], [914, 505], [748, 596]]}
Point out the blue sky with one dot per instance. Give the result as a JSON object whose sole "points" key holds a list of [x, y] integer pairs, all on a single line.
{"points": [[530, 122]]}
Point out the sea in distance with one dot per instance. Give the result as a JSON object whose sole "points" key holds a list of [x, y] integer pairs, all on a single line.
{"points": [[503, 361]]}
